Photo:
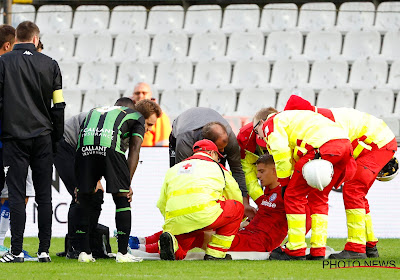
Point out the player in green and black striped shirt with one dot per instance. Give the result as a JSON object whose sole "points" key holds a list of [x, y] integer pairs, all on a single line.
{"points": [[105, 135]]}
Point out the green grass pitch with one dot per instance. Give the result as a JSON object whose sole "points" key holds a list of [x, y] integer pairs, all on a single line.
{"points": [[61, 268]]}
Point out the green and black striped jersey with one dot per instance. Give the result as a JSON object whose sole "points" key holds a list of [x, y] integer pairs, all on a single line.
{"points": [[109, 126]]}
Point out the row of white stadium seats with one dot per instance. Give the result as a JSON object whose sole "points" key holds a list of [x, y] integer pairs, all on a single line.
{"points": [[364, 74], [202, 18], [214, 45], [380, 103]]}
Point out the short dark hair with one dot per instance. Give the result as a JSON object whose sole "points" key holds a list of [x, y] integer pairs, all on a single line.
{"points": [[125, 102], [26, 30], [266, 159], [7, 34], [147, 108], [208, 131]]}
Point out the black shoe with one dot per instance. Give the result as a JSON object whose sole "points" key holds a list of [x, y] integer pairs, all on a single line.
{"points": [[211, 258], [43, 257], [372, 252], [61, 254], [277, 250], [310, 257], [10, 258], [167, 247], [348, 255], [73, 255], [276, 256]]}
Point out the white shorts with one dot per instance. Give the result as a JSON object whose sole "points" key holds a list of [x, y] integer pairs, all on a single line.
{"points": [[30, 191]]}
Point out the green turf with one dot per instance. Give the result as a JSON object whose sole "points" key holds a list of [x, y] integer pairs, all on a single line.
{"points": [[61, 268]]}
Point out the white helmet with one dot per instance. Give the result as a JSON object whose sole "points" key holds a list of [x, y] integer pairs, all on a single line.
{"points": [[318, 173], [389, 171]]}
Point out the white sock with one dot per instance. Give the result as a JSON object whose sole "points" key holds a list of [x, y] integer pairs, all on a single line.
{"points": [[142, 247], [142, 240]]}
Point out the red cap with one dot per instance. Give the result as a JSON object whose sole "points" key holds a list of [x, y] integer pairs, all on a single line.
{"points": [[206, 145]]}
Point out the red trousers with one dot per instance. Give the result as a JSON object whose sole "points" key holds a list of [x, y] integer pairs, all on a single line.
{"points": [[226, 224], [299, 193], [369, 163]]}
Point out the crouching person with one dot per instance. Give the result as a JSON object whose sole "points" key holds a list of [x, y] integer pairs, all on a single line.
{"points": [[199, 194]]}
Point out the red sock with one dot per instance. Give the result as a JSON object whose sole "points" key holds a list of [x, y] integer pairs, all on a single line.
{"points": [[152, 248], [153, 238]]}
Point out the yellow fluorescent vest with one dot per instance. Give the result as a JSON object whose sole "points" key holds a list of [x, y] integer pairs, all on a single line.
{"points": [[293, 131], [189, 195], [250, 173], [359, 124]]}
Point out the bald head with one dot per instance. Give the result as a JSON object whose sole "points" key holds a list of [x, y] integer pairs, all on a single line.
{"points": [[141, 91], [216, 132]]}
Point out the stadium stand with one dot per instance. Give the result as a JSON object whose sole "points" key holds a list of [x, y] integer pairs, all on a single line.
{"points": [[338, 54]]}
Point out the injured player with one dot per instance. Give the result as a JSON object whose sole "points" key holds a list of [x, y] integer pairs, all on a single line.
{"points": [[265, 232]]}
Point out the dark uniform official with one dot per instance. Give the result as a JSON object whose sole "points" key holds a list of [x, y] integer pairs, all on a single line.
{"points": [[29, 83]]}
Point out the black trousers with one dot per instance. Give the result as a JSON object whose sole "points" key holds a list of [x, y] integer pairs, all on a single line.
{"points": [[2, 175], [18, 155], [64, 161]]}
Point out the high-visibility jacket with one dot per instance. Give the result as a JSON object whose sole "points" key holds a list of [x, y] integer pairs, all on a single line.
{"points": [[291, 134], [158, 136], [249, 153], [191, 191], [363, 129]]}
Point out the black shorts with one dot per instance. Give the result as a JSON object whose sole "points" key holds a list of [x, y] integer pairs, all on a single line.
{"points": [[94, 162]]}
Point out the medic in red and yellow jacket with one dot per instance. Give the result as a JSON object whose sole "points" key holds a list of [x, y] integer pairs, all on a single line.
{"points": [[374, 145], [293, 138]]}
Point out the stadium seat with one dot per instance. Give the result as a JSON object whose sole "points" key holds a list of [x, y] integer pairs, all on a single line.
{"points": [[59, 46], [361, 44], [254, 74], [73, 99], [329, 74], [283, 45], [90, 19], [22, 12], [393, 122], [213, 74], [203, 18], [253, 99], [163, 19], [355, 16], [377, 102], [131, 46], [99, 97], [284, 94], [97, 75], [93, 47], [322, 45], [221, 100], [169, 46], [394, 76], [397, 106], [368, 73], [390, 47], [207, 46], [278, 17], [176, 101], [174, 74], [317, 16], [127, 19], [289, 73], [132, 72], [245, 45], [336, 97], [54, 18], [69, 72], [240, 17], [388, 16]]}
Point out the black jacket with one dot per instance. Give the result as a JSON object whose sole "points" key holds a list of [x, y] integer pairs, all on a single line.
{"points": [[27, 81]]}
